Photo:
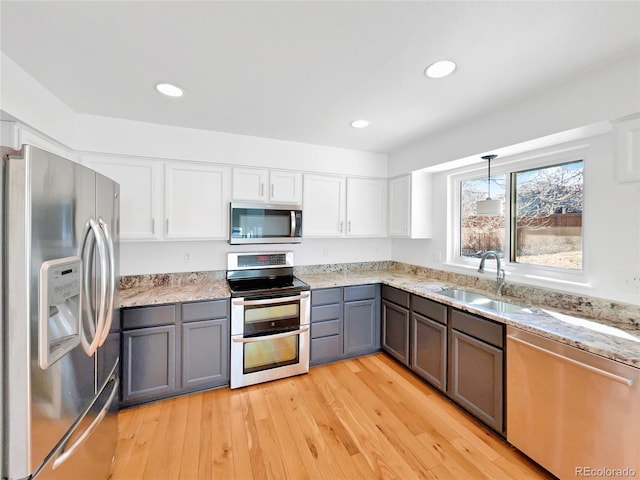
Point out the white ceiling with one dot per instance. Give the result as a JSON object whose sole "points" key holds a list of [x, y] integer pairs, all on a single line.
{"points": [[302, 71]]}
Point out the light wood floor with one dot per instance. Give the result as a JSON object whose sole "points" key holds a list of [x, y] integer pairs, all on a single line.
{"points": [[363, 418]]}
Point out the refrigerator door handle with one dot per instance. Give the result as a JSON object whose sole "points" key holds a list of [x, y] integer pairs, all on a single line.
{"points": [[111, 279], [67, 452], [93, 227]]}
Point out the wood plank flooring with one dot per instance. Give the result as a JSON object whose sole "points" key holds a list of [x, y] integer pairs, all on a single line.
{"points": [[362, 418]]}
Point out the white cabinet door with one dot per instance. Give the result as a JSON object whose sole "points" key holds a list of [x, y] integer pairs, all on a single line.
{"points": [[399, 206], [140, 212], [285, 187], [366, 207], [410, 205], [324, 206], [250, 184], [196, 201]]}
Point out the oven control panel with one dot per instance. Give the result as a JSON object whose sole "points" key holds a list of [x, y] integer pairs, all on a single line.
{"points": [[239, 261]]}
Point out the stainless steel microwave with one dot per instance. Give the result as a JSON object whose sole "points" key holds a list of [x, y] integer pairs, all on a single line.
{"points": [[265, 223]]}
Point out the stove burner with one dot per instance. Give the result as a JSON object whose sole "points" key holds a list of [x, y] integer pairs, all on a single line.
{"points": [[262, 275]]}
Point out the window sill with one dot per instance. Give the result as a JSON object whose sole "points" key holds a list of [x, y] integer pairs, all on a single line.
{"points": [[535, 280]]}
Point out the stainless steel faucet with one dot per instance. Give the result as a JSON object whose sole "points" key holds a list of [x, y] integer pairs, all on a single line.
{"points": [[500, 281]]}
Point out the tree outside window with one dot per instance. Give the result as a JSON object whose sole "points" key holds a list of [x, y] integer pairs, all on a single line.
{"points": [[548, 219]]}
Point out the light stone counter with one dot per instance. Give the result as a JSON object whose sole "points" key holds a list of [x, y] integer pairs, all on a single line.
{"points": [[159, 294], [614, 338], [612, 331]]}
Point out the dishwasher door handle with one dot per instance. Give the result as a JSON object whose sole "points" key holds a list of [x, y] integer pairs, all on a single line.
{"points": [[612, 376]]}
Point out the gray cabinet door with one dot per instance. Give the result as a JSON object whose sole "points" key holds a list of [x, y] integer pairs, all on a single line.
{"points": [[149, 363], [205, 353], [395, 331], [361, 327], [429, 350], [476, 378]]}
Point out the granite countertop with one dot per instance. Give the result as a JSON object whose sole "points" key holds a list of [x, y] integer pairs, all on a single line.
{"points": [[609, 338], [156, 295]]}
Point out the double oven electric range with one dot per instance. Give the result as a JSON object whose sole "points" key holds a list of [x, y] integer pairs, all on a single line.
{"points": [[270, 316]]}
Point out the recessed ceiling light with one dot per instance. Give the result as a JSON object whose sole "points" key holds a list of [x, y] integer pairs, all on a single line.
{"points": [[359, 124], [440, 69], [169, 90]]}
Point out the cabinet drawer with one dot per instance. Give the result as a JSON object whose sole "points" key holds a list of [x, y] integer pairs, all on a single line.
{"points": [[324, 329], [477, 327], [325, 312], [148, 316], [430, 309], [204, 310], [396, 296], [326, 348], [325, 296], [359, 292]]}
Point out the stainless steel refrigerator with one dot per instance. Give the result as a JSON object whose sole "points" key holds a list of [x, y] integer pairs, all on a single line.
{"points": [[60, 364]]}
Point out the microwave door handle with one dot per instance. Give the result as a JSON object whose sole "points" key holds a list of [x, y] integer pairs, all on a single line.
{"points": [[293, 223]]}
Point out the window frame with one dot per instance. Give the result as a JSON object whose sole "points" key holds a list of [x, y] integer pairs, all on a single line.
{"points": [[508, 166]]}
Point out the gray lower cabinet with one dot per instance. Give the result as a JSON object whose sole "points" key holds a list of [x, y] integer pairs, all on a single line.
{"points": [[429, 341], [173, 349], [149, 363], [395, 323], [326, 325], [345, 321], [476, 367], [205, 344], [361, 319]]}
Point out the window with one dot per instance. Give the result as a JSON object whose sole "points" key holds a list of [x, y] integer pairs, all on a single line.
{"points": [[479, 233], [548, 216], [541, 227]]}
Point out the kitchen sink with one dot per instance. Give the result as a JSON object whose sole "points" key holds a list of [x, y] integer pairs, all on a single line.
{"points": [[482, 301]]}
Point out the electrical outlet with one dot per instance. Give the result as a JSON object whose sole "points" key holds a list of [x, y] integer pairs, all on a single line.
{"points": [[436, 257], [187, 257], [325, 252], [634, 281]]}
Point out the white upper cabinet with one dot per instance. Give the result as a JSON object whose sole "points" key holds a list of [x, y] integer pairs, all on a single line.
{"points": [[168, 200], [262, 185], [399, 206], [196, 201], [250, 184], [410, 206], [285, 187], [337, 206], [140, 206], [366, 207], [626, 137], [323, 206]]}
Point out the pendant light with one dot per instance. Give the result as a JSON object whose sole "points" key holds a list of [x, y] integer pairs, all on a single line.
{"points": [[489, 206]]}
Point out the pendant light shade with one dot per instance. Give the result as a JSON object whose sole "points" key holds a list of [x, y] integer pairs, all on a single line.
{"points": [[489, 206]]}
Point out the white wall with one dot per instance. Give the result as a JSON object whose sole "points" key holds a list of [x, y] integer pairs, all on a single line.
{"points": [[612, 210], [160, 257], [127, 137]]}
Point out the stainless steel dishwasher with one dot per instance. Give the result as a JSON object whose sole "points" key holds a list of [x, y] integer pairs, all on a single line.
{"points": [[575, 413]]}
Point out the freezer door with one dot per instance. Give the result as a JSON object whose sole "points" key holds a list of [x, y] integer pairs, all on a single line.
{"points": [[48, 200], [88, 451]]}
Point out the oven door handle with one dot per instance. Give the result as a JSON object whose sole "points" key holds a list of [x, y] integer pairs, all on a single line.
{"points": [[270, 337], [270, 301]]}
